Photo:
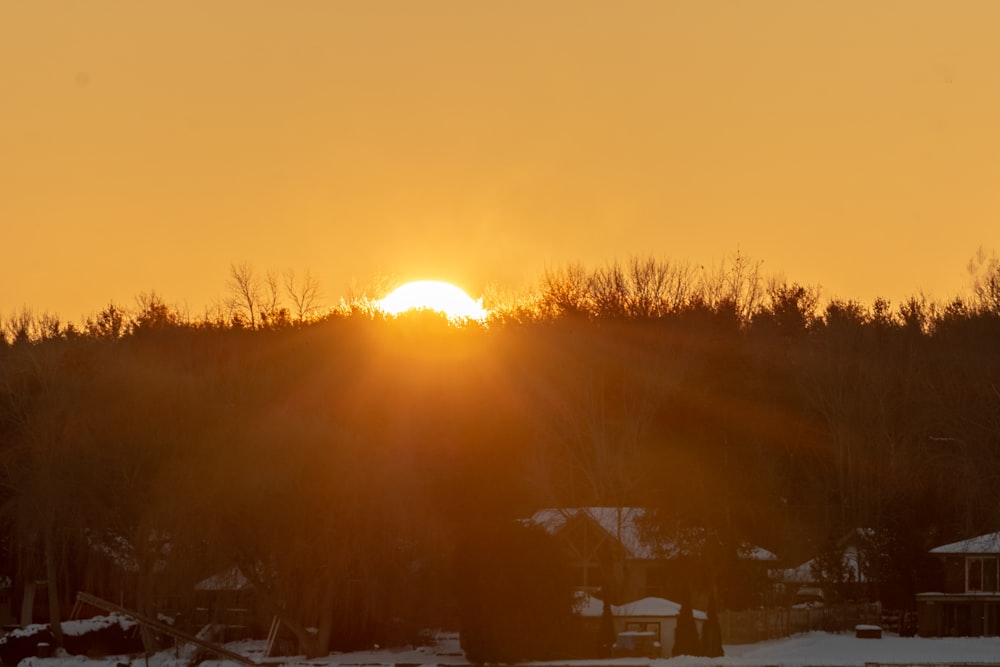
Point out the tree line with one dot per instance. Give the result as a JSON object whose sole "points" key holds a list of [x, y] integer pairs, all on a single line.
{"points": [[367, 473]]}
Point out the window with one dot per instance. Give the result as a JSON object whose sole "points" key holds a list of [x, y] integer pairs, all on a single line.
{"points": [[645, 627], [981, 574]]}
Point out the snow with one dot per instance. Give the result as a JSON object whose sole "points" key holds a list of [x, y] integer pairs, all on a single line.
{"points": [[590, 606], [619, 522], [803, 574], [231, 580], [983, 544], [77, 628], [803, 650], [754, 552], [622, 523]]}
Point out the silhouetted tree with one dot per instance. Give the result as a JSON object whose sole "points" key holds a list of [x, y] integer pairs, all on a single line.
{"points": [[515, 597], [245, 293], [606, 630], [304, 293], [686, 640], [711, 632]]}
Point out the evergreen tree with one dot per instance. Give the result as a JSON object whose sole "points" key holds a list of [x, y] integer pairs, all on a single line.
{"points": [[711, 632], [686, 641], [606, 632]]}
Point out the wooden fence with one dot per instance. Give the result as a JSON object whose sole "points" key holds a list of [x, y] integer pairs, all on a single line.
{"points": [[754, 625]]}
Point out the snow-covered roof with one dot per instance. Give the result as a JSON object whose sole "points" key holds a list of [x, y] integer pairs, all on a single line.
{"points": [[983, 544], [655, 607], [803, 574], [799, 575], [619, 522], [622, 523], [230, 580], [591, 607], [753, 552]]}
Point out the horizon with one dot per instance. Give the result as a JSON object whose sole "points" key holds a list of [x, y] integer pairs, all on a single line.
{"points": [[380, 286]]}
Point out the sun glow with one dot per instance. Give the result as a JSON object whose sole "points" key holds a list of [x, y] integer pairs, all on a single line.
{"points": [[433, 295]]}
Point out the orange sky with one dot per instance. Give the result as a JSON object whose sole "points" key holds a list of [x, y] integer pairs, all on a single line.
{"points": [[149, 145]]}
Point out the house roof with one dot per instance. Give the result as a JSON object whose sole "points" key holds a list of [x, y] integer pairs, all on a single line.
{"points": [[753, 552], [983, 544], [622, 523], [618, 522], [803, 574], [230, 580], [592, 607]]}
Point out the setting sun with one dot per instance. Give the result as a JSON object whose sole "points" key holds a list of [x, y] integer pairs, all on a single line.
{"points": [[433, 295]]}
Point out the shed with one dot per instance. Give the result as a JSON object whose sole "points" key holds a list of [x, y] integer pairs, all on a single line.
{"points": [[651, 614]]}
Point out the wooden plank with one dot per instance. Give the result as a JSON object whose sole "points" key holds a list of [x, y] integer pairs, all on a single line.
{"points": [[162, 627]]}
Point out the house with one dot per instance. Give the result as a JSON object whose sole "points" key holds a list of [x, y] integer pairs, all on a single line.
{"points": [[610, 553], [809, 574], [648, 615], [604, 549], [968, 603], [846, 569]]}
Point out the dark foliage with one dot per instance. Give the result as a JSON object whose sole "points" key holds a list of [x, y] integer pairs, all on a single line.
{"points": [[711, 632], [349, 464], [686, 639], [606, 630], [515, 599]]}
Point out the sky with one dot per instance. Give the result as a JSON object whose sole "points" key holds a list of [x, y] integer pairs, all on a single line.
{"points": [[849, 145]]}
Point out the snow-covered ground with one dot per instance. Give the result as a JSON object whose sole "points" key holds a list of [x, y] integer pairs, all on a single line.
{"points": [[812, 649]]}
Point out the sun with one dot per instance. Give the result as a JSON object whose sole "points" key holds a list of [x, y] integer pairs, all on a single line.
{"points": [[433, 295]]}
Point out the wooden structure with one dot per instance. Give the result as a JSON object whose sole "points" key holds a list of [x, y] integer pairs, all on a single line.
{"points": [[153, 625], [968, 602]]}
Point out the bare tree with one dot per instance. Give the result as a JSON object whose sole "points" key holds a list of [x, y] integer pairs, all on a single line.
{"points": [[364, 297], [271, 311], [737, 282], [985, 272], [644, 287], [28, 326], [245, 292], [565, 291], [305, 293]]}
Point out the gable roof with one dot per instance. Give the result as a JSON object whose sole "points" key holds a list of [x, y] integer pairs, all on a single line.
{"points": [[621, 523], [983, 544], [803, 574]]}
